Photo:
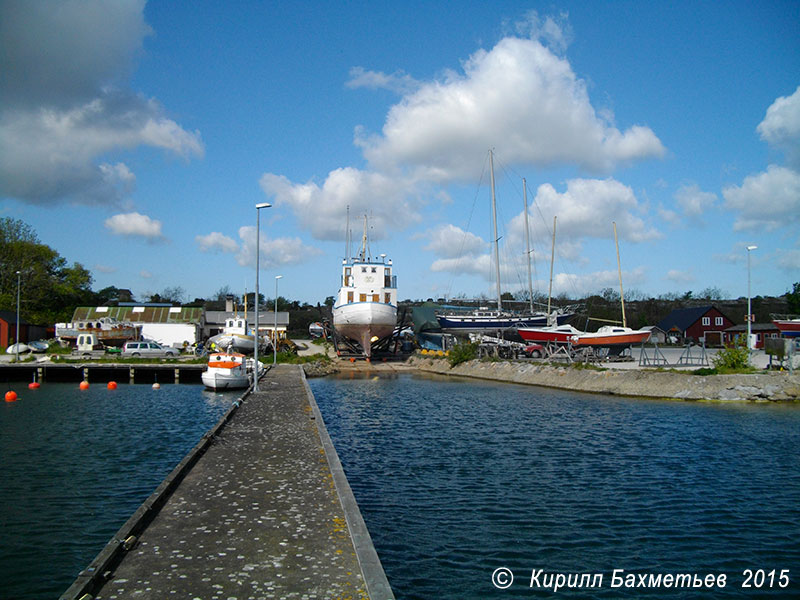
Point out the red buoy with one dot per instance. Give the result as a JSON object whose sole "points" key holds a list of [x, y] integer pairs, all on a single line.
{"points": [[112, 385], [34, 385], [84, 385], [11, 396]]}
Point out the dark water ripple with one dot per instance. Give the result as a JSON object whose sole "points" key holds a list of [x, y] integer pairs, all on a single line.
{"points": [[457, 479], [76, 464]]}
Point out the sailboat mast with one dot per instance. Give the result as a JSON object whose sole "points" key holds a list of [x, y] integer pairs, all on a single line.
{"points": [[552, 257], [527, 242], [494, 231], [347, 237], [619, 268]]}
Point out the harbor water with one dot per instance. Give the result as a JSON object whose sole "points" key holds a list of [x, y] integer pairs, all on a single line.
{"points": [[77, 464], [455, 480], [462, 481]]}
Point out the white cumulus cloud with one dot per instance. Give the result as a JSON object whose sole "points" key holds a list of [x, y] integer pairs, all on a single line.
{"points": [[781, 126], [389, 203], [768, 200], [135, 225], [693, 201], [216, 241], [65, 104], [519, 95], [449, 241], [274, 252]]}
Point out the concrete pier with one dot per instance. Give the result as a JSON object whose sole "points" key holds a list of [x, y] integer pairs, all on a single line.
{"points": [[264, 512]]}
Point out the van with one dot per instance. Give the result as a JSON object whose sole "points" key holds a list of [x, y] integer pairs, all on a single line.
{"points": [[147, 349]]}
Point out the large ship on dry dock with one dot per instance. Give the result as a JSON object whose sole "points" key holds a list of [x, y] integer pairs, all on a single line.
{"points": [[366, 307]]}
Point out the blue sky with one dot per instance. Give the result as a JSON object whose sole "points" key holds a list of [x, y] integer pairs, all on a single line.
{"points": [[137, 139]]}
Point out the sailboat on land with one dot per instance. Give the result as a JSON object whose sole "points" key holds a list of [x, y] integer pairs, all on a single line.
{"points": [[608, 336], [366, 306], [489, 321]]}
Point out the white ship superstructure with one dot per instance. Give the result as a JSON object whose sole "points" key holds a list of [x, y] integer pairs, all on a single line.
{"points": [[366, 307]]}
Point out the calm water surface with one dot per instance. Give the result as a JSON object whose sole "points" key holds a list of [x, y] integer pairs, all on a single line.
{"points": [[76, 465], [457, 479]]}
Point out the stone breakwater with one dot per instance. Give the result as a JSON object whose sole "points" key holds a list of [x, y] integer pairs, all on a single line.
{"points": [[772, 386]]}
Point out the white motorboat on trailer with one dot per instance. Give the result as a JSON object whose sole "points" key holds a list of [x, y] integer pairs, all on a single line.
{"points": [[234, 337], [366, 307]]}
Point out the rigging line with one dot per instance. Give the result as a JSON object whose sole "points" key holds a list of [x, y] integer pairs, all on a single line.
{"points": [[510, 261], [469, 222]]}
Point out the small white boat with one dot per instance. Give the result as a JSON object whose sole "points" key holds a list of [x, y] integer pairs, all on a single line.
{"points": [[227, 370], [38, 346], [234, 337], [18, 348]]}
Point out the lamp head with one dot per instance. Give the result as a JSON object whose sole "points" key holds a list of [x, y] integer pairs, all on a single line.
{"points": [[263, 205], [752, 248]]}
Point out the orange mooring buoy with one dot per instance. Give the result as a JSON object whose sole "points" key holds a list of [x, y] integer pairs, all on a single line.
{"points": [[11, 396], [112, 385], [84, 385], [34, 385]]}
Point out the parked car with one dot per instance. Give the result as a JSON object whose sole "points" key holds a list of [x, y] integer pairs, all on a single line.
{"points": [[534, 351], [147, 350]]}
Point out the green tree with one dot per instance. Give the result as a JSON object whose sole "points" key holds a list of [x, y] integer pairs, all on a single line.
{"points": [[50, 287], [793, 299]]}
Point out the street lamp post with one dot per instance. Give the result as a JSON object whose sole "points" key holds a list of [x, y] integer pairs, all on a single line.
{"points": [[255, 332], [275, 342], [749, 310], [16, 345]]}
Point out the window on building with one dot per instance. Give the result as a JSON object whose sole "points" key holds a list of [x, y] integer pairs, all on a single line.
{"points": [[706, 320], [363, 269], [388, 298], [719, 321], [376, 297], [362, 297], [374, 270], [349, 297]]}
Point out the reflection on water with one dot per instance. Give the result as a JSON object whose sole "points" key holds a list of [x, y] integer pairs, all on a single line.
{"points": [[458, 479], [76, 464]]}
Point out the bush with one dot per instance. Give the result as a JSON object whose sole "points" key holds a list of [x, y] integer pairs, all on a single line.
{"points": [[462, 353], [734, 357]]}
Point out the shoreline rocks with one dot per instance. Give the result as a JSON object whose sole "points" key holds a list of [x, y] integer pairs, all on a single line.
{"points": [[759, 387]]}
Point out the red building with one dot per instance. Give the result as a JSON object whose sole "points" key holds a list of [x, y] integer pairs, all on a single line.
{"points": [[8, 328], [697, 324]]}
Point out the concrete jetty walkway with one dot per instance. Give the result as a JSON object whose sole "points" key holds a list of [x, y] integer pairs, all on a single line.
{"points": [[265, 512]]}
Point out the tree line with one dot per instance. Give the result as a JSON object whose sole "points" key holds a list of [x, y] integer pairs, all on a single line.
{"points": [[53, 288]]}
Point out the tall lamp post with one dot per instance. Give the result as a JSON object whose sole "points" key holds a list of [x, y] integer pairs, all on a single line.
{"points": [[749, 310], [275, 343], [16, 345], [258, 248]]}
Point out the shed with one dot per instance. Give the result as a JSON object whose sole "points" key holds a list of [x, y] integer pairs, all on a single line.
{"points": [[657, 335], [167, 325], [760, 330], [697, 324], [215, 321]]}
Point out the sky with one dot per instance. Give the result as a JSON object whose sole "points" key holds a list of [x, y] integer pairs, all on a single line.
{"points": [[137, 138]]}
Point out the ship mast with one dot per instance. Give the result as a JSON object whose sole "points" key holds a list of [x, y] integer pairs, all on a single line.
{"points": [[552, 257], [494, 230], [528, 243], [619, 269]]}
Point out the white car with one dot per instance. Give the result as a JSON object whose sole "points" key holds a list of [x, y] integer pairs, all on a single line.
{"points": [[147, 349]]}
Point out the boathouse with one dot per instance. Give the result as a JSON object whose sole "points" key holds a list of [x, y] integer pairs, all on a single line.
{"points": [[697, 324], [166, 324], [762, 331], [27, 331]]}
